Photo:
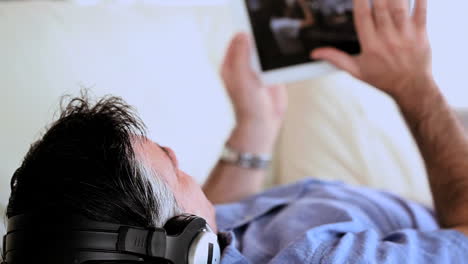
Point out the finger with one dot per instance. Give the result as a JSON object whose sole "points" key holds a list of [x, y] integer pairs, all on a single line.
{"points": [[338, 58], [238, 54], [382, 17], [400, 11], [420, 13], [363, 19]]}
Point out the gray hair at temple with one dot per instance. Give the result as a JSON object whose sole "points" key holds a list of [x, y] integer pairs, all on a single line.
{"points": [[160, 192]]}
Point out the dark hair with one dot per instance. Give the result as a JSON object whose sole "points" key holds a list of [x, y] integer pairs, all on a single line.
{"points": [[85, 164]]}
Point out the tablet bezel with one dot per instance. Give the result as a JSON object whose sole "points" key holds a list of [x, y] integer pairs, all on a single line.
{"points": [[288, 74]]}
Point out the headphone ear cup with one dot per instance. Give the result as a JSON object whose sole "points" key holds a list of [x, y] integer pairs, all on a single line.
{"points": [[176, 225], [200, 243], [205, 249]]}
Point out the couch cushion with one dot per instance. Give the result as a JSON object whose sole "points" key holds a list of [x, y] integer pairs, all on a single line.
{"points": [[338, 128]]}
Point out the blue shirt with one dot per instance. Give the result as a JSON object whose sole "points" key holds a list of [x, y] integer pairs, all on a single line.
{"points": [[319, 222]]}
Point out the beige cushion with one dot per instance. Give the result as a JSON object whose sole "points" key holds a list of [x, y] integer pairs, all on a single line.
{"points": [[338, 128]]}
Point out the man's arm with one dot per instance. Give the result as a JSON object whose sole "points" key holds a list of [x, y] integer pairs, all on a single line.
{"points": [[259, 111], [444, 146], [230, 183], [396, 58]]}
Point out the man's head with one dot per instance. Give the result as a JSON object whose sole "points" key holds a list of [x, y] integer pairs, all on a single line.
{"points": [[96, 161]]}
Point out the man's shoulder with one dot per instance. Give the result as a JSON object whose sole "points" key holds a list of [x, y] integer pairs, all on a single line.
{"points": [[324, 201], [230, 216]]}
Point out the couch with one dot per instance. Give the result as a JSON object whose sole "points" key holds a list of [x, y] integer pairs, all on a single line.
{"points": [[163, 57]]}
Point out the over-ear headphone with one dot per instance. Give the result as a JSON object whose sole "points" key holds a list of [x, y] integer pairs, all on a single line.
{"points": [[185, 239]]}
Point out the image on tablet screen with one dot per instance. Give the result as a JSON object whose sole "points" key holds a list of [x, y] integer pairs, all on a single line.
{"points": [[286, 31]]}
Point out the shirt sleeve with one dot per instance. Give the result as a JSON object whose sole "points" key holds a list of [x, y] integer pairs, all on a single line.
{"points": [[406, 246]]}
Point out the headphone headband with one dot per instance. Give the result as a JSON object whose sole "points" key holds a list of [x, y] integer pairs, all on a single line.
{"points": [[91, 240]]}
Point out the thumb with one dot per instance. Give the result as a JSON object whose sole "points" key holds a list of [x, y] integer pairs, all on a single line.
{"points": [[238, 53], [338, 58]]}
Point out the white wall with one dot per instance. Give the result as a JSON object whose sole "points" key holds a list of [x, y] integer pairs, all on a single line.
{"points": [[153, 56], [448, 31]]}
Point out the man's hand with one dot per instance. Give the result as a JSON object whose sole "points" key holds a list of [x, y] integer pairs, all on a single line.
{"points": [[395, 48], [259, 108], [259, 113], [396, 58]]}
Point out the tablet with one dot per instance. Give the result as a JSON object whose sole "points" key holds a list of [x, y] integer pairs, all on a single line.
{"points": [[286, 31]]}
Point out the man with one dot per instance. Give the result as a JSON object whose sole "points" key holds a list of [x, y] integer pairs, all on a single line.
{"points": [[96, 161]]}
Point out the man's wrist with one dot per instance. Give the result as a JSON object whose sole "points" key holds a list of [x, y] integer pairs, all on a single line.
{"points": [[245, 160], [255, 138], [419, 98]]}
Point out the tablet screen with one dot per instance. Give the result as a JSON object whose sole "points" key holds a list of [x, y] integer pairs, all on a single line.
{"points": [[286, 31]]}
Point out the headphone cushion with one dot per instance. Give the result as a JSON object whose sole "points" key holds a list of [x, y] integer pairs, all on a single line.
{"points": [[176, 225]]}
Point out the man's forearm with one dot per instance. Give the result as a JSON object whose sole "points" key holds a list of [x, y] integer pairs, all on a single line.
{"points": [[259, 110], [444, 146], [229, 183]]}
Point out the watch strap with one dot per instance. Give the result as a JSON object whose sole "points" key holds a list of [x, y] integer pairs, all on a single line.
{"points": [[245, 160]]}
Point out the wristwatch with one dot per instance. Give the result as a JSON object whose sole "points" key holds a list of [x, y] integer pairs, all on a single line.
{"points": [[245, 160]]}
